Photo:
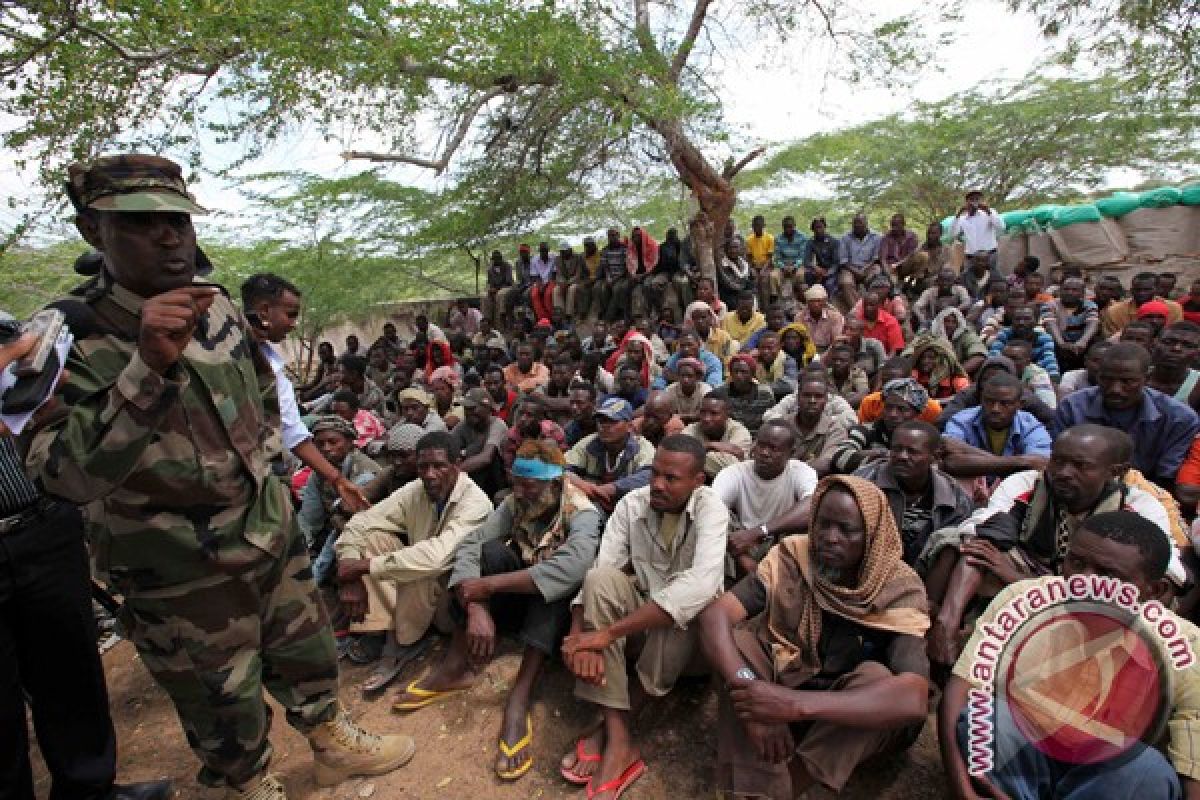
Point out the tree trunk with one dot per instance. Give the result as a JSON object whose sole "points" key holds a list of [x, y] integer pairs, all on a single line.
{"points": [[708, 226], [713, 191]]}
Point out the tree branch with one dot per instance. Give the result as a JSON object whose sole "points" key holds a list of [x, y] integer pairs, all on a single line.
{"points": [[695, 25], [437, 165], [734, 169], [144, 57]]}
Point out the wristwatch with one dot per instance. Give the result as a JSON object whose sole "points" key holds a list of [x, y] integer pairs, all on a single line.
{"points": [[763, 533], [745, 674]]}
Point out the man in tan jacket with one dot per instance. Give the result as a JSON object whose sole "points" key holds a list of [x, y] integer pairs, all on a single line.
{"points": [[394, 559]]}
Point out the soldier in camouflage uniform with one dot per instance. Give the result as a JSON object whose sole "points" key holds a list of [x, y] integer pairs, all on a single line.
{"points": [[172, 419]]}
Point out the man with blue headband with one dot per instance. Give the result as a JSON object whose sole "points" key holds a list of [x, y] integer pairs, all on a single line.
{"points": [[516, 573]]}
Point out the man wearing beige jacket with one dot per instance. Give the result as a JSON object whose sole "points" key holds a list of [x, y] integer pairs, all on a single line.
{"points": [[394, 559]]}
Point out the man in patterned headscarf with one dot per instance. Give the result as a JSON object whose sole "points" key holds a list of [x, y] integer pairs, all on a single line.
{"points": [[822, 651], [903, 399], [518, 572]]}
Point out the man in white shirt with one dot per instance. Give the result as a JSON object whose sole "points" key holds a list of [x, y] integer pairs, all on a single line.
{"points": [[272, 306], [767, 497], [978, 224], [661, 562]]}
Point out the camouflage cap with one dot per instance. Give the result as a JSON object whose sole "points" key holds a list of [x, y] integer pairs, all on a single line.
{"points": [[134, 182]]}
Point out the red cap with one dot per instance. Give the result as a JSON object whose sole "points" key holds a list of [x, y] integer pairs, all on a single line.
{"points": [[523, 249], [1153, 308]]}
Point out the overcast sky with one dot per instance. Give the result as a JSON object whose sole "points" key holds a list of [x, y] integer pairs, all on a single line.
{"points": [[784, 100]]}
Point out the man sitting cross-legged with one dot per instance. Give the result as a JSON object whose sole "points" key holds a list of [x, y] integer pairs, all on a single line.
{"points": [[1024, 531], [393, 559], [1115, 682], [821, 651], [661, 561], [767, 496], [517, 573]]}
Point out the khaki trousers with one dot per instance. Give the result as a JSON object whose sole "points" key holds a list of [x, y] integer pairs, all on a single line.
{"points": [[409, 608], [608, 595]]}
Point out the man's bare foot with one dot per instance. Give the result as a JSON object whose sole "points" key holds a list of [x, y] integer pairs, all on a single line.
{"points": [[439, 681], [618, 757], [513, 729], [593, 745]]}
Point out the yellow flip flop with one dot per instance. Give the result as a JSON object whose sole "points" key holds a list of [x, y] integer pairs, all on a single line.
{"points": [[425, 697], [509, 752]]}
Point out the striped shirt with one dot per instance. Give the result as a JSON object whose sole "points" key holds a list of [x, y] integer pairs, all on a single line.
{"points": [[17, 492]]}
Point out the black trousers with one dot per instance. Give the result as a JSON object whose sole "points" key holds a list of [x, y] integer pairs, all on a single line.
{"points": [[48, 650], [534, 622]]}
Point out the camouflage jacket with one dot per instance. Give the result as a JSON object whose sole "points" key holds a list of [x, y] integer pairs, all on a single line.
{"points": [[173, 469]]}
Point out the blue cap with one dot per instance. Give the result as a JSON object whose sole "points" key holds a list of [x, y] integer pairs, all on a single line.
{"points": [[616, 409]]}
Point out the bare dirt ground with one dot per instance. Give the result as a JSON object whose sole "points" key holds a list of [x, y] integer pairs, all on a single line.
{"points": [[456, 742]]}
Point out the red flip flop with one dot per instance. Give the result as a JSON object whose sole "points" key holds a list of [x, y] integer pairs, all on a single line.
{"points": [[619, 784], [581, 757]]}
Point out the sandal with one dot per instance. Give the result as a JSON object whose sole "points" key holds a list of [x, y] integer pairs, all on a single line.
{"points": [[520, 746], [582, 756], [619, 784], [424, 697], [365, 649], [392, 663]]}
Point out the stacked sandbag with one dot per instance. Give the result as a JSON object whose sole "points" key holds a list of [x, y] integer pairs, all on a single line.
{"points": [[1041, 246], [1011, 249], [1161, 226], [1117, 204], [1082, 237]]}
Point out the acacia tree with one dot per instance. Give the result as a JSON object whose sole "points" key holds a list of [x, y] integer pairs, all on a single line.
{"points": [[1153, 41], [517, 105], [1040, 141]]}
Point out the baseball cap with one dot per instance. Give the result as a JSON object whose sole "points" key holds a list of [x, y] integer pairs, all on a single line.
{"points": [[135, 182], [616, 409], [476, 397]]}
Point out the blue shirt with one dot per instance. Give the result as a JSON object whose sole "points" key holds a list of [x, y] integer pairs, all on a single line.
{"points": [[860, 252], [1027, 437], [791, 254], [1162, 428], [1044, 354]]}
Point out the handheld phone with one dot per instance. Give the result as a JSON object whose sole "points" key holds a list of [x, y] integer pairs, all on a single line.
{"points": [[37, 372]]}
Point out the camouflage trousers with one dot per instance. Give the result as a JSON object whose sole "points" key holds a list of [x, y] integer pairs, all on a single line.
{"points": [[214, 644]]}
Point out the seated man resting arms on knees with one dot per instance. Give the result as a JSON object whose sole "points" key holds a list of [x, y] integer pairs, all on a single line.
{"points": [[1023, 533], [394, 558], [517, 573], [1102, 756], [661, 561], [821, 651]]}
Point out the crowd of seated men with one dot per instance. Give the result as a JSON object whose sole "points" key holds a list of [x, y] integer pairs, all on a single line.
{"points": [[813, 478]]}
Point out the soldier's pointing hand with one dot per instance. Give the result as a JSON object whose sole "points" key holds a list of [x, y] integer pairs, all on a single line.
{"points": [[168, 321]]}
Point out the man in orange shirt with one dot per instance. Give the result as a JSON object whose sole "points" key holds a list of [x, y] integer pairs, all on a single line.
{"points": [[880, 325], [525, 374]]}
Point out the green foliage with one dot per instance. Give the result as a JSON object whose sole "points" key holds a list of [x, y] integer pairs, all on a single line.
{"points": [[1153, 42], [30, 277], [535, 102], [1045, 140]]}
